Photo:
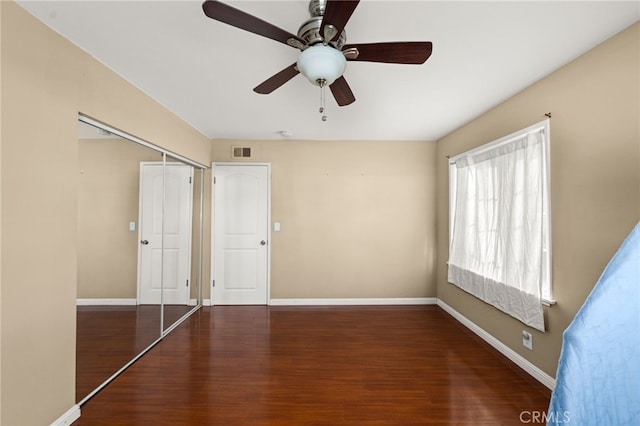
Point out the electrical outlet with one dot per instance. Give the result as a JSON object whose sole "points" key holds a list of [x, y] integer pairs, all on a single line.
{"points": [[527, 340]]}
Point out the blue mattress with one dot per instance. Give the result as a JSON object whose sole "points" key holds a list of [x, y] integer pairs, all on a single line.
{"points": [[598, 378]]}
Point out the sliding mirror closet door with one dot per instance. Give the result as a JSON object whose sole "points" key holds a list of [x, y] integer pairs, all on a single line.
{"points": [[139, 249], [113, 327], [182, 241]]}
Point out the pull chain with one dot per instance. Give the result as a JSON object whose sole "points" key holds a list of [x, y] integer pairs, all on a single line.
{"points": [[322, 97]]}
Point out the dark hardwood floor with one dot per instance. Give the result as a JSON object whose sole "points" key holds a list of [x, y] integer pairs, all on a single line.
{"points": [[108, 337], [259, 365]]}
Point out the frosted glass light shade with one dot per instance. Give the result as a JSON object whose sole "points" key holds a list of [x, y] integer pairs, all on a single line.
{"points": [[321, 63]]}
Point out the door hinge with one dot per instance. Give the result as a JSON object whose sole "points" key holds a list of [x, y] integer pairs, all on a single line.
{"points": [[213, 283], [214, 180], [189, 179], [187, 283]]}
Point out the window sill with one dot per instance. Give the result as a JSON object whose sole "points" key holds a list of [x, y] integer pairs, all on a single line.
{"points": [[547, 302]]}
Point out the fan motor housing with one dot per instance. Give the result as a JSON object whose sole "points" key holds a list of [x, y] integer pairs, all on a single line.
{"points": [[317, 7], [310, 32]]}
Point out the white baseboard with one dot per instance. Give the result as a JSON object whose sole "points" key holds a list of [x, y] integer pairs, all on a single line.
{"points": [[106, 302], [205, 302], [355, 301], [69, 417], [518, 359]]}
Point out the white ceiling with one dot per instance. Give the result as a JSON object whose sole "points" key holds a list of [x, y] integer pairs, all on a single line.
{"points": [[204, 71]]}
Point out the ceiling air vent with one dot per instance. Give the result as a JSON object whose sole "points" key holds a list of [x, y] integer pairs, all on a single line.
{"points": [[240, 152]]}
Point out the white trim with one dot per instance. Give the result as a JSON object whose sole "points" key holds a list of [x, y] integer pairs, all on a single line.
{"points": [[516, 358], [69, 417], [106, 302], [194, 302], [355, 301]]}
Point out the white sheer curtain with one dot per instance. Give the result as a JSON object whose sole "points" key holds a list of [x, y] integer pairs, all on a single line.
{"points": [[499, 225]]}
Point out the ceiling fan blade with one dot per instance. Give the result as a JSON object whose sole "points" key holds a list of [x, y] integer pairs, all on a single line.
{"points": [[337, 13], [239, 19], [277, 80], [342, 92], [400, 52]]}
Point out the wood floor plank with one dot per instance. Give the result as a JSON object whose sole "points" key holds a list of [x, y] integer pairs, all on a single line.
{"points": [[108, 337], [259, 365]]}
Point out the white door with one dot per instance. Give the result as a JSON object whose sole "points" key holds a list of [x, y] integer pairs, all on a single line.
{"points": [[240, 234], [164, 265]]}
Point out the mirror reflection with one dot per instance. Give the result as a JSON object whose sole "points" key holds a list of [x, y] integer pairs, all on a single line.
{"points": [[181, 242], [138, 251]]}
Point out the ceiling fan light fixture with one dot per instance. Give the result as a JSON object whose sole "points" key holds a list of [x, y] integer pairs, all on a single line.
{"points": [[321, 64]]}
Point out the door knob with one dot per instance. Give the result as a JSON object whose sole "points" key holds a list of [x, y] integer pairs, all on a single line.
{"points": [[144, 242], [263, 242]]}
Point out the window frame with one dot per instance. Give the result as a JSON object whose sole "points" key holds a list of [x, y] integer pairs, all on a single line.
{"points": [[546, 289]]}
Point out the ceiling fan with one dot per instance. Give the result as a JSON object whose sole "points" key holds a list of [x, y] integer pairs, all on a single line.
{"points": [[322, 42]]}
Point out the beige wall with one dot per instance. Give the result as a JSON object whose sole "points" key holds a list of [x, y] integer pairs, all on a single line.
{"points": [[108, 188], [595, 182], [46, 81], [357, 218]]}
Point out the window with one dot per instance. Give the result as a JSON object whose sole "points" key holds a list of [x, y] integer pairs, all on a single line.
{"points": [[499, 231]]}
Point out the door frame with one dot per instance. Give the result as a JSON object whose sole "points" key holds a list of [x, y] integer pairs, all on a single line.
{"points": [[214, 164], [165, 164]]}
